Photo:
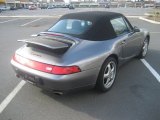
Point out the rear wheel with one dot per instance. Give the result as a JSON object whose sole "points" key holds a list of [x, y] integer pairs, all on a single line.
{"points": [[107, 74], [144, 50]]}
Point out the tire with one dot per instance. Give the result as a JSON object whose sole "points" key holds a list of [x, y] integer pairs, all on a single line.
{"points": [[144, 49], [107, 75]]}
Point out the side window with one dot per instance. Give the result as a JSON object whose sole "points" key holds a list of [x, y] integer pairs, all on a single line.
{"points": [[128, 26], [119, 26]]}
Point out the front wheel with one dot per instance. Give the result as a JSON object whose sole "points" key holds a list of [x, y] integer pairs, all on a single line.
{"points": [[144, 49], [107, 74]]}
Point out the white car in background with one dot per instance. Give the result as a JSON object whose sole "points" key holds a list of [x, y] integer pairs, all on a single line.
{"points": [[4, 8], [32, 7]]}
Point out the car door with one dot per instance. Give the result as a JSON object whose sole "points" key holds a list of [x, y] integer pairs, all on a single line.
{"points": [[132, 44], [129, 41]]}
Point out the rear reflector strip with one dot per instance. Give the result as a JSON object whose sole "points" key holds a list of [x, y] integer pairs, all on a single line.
{"points": [[52, 69]]}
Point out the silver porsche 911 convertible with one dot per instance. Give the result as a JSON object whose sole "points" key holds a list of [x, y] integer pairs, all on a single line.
{"points": [[82, 49]]}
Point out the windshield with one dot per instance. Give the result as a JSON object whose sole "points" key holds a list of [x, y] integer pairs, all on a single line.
{"points": [[71, 26]]}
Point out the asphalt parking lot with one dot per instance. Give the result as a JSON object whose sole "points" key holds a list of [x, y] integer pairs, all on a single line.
{"points": [[134, 96]]}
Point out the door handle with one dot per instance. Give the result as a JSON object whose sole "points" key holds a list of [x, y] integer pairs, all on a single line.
{"points": [[123, 42]]}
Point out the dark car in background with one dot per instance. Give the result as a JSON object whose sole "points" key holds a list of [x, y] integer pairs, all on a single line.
{"points": [[157, 5], [82, 49], [71, 7], [44, 7], [107, 6], [13, 8], [51, 7]]}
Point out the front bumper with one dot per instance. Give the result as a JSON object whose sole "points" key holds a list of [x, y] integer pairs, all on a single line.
{"points": [[56, 82]]}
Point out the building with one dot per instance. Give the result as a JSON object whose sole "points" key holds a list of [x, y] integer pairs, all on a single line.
{"points": [[2, 1]]}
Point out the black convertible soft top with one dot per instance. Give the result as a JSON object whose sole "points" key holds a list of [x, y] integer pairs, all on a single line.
{"points": [[101, 28]]}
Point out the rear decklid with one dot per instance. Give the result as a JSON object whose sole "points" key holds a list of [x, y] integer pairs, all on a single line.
{"points": [[47, 42], [46, 48], [50, 42]]}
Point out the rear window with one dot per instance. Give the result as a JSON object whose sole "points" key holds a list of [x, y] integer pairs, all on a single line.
{"points": [[71, 26]]}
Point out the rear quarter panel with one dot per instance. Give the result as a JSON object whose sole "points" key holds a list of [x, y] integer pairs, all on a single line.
{"points": [[91, 54]]}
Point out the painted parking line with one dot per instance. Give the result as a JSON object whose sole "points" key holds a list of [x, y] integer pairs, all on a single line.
{"points": [[155, 32], [150, 21], [8, 20], [130, 16], [31, 22], [151, 69], [9, 98]]}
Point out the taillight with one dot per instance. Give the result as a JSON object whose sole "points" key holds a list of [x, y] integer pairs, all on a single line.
{"points": [[58, 70], [65, 70]]}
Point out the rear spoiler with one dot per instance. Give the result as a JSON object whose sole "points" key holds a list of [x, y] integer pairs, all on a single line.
{"points": [[50, 44], [61, 37]]}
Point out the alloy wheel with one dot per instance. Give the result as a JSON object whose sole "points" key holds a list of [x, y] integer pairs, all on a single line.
{"points": [[109, 74]]}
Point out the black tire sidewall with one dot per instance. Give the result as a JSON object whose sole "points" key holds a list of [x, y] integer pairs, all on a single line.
{"points": [[141, 53]]}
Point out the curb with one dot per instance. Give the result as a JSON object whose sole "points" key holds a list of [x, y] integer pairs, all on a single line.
{"points": [[147, 20]]}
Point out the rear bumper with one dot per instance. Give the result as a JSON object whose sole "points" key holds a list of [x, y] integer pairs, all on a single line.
{"points": [[57, 82]]}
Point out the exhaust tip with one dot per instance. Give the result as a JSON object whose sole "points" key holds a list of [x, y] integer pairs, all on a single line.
{"points": [[17, 75]]}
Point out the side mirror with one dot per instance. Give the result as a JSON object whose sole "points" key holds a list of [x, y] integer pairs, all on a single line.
{"points": [[136, 29], [35, 35]]}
